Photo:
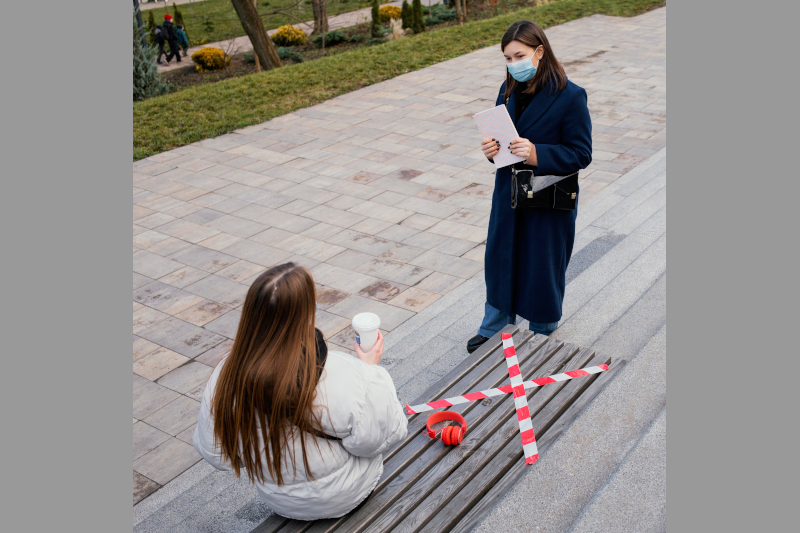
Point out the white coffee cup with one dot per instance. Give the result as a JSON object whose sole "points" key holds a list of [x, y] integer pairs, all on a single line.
{"points": [[366, 326]]}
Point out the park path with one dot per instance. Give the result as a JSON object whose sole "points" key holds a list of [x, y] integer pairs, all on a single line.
{"points": [[162, 4], [242, 44], [385, 196]]}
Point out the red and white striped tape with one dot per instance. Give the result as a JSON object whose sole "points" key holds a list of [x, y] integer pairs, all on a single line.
{"points": [[505, 389], [520, 401]]}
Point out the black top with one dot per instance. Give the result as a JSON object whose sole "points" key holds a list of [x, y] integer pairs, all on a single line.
{"points": [[322, 352], [169, 30], [523, 100]]}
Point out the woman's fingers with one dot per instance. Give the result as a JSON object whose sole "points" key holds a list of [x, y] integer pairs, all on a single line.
{"points": [[490, 147], [490, 143]]}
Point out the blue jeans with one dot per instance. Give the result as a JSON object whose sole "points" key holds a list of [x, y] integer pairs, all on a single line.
{"points": [[494, 320]]}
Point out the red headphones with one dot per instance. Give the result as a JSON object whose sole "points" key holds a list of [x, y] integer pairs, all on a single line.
{"points": [[451, 435]]}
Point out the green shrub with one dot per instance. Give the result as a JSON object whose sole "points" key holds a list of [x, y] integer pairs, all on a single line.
{"points": [[178, 19], [288, 35], [377, 41], [332, 38], [151, 28], [417, 24], [375, 25], [406, 15], [356, 38], [146, 80], [286, 52], [439, 11]]}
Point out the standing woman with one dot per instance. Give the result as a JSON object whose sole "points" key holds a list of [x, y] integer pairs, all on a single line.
{"points": [[528, 247], [307, 426]]}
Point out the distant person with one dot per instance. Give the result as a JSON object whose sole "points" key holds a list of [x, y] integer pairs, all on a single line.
{"points": [[161, 38], [326, 416], [183, 41], [172, 38], [528, 248]]}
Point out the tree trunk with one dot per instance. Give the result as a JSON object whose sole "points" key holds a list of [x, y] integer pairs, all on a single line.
{"points": [[458, 12], [255, 56], [464, 6], [320, 16], [263, 46]]}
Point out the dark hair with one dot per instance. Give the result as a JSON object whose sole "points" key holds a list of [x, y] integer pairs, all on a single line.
{"points": [[532, 34], [264, 395]]}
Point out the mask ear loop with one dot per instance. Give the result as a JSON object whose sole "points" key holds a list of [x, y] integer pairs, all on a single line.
{"points": [[540, 59]]}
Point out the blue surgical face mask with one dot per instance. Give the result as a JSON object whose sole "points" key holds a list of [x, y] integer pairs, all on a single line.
{"points": [[523, 70]]}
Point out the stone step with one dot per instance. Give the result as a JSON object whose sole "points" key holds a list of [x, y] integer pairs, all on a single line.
{"points": [[624, 186], [635, 498], [185, 504]]}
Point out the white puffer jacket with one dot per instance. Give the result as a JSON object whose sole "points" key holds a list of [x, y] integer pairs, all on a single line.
{"points": [[364, 413]]}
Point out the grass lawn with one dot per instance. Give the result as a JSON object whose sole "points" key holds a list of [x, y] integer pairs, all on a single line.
{"points": [[226, 24], [205, 111]]}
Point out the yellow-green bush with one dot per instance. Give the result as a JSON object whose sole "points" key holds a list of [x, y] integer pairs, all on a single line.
{"points": [[209, 58], [389, 12], [289, 36]]}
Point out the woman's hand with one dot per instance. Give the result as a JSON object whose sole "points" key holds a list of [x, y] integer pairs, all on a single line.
{"points": [[524, 148], [372, 357], [490, 147]]}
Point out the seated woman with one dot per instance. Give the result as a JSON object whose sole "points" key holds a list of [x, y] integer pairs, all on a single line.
{"points": [[327, 416]]}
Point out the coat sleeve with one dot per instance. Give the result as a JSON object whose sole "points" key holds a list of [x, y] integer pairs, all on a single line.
{"points": [[575, 150], [203, 437], [379, 422]]}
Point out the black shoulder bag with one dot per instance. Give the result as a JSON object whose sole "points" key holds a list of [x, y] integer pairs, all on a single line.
{"points": [[542, 192]]}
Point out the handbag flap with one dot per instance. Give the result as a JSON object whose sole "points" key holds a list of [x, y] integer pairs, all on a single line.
{"points": [[540, 182]]}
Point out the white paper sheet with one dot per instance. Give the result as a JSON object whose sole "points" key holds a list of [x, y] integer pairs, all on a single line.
{"points": [[496, 124]]}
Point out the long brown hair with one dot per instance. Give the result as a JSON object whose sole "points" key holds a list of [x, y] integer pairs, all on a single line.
{"points": [[532, 34], [267, 385]]}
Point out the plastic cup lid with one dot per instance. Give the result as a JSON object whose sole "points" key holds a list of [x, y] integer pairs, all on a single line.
{"points": [[366, 321]]}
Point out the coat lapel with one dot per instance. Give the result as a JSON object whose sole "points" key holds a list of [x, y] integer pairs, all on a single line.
{"points": [[538, 107]]}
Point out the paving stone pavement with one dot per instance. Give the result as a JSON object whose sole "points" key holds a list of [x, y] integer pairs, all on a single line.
{"points": [[384, 195]]}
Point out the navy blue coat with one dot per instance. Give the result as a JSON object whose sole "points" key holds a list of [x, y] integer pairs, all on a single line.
{"points": [[528, 250]]}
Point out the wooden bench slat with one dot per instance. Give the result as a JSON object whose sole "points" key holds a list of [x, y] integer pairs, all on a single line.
{"points": [[505, 429], [546, 408], [271, 524]]}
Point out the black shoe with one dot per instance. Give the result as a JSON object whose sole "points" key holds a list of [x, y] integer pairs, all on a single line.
{"points": [[476, 342]]}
